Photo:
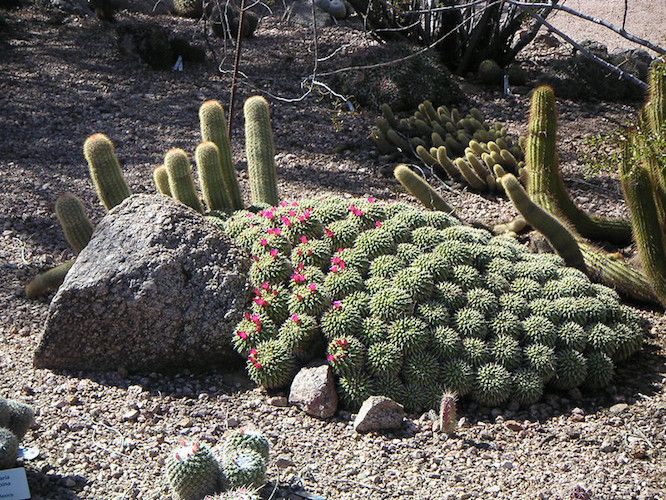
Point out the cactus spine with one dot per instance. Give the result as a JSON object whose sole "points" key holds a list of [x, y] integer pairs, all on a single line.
{"points": [[421, 189], [75, 223], [545, 185], [180, 179], [210, 173], [260, 151], [161, 179], [48, 281], [105, 170], [214, 129]]}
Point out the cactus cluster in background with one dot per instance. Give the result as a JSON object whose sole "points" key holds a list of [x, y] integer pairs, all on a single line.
{"points": [[234, 470], [15, 420], [409, 303], [463, 149]]}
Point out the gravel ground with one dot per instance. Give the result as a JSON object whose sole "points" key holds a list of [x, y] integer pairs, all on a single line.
{"points": [[106, 435]]}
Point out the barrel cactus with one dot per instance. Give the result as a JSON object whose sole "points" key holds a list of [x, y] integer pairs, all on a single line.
{"points": [[192, 472], [15, 420], [432, 306]]}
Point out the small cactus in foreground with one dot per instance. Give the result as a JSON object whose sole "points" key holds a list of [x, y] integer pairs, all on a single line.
{"points": [[192, 472], [243, 467], [48, 281], [9, 445], [260, 151], [210, 173], [448, 416], [15, 420], [105, 170]]}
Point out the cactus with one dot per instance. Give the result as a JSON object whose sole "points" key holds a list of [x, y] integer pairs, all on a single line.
{"points": [[181, 184], [214, 129], [247, 440], [192, 472], [74, 222], [545, 185], [260, 151], [105, 171], [448, 416], [420, 189], [48, 281], [493, 384], [21, 418], [211, 178], [188, 8], [489, 72], [161, 180], [271, 364]]}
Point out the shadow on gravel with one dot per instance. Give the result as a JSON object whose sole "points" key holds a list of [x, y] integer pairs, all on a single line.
{"points": [[54, 486]]}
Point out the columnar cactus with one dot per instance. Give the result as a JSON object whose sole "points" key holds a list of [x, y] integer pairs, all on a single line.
{"points": [[48, 281], [161, 180], [105, 170], [420, 189], [181, 184], [211, 177], [214, 129], [74, 221], [260, 151]]}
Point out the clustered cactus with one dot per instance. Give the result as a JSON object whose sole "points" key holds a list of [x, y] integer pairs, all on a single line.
{"points": [[216, 173], [414, 304], [458, 148], [15, 420], [234, 471], [548, 207]]}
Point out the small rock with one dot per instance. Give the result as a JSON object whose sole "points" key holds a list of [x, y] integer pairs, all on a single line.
{"points": [[618, 408], [379, 413], [513, 425], [313, 391], [282, 462], [232, 422], [185, 422], [638, 451], [130, 416], [279, 401], [607, 447]]}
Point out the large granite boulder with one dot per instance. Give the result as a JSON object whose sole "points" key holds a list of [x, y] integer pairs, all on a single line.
{"points": [[158, 288]]}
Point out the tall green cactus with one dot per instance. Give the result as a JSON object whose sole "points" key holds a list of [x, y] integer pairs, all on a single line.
{"points": [[260, 152], [105, 171], [214, 129], [48, 281], [563, 241], [545, 185], [420, 189], [210, 173], [161, 179], [181, 184], [75, 223]]}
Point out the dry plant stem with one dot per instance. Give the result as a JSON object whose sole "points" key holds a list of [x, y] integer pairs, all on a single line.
{"points": [[234, 79]]}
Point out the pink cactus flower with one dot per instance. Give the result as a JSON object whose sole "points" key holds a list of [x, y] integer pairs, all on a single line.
{"points": [[242, 334], [292, 213], [253, 352], [266, 285], [249, 215], [372, 199], [334, 268], [344, 343], [329, 233], [331, 358], [337, 304], [274, 252], [260, 301], [285, 220], [295, 318], [284, 203], [274, 230], [304, 239], [313, 287], [378, 223], [264, 242]]}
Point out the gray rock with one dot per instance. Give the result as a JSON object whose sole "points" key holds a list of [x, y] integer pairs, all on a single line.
{"points": [[379, 413], [313, 390], [300, 12], [157, 288]]}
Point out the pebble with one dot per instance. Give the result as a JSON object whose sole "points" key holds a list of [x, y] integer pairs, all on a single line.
{"points": [[618, 408], [279, 401], [130, 416]]}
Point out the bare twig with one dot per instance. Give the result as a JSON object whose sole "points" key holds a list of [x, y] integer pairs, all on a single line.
{"points": [[234, 78], [610, 67]]}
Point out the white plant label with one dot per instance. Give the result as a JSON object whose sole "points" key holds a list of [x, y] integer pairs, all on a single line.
{"points": [[14, 484]]}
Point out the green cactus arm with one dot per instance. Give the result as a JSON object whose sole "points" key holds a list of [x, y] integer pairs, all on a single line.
{"points": [[545, 184], [645, 218], [420, 189], [560, 238], [470, 175], [105, 170], [260, 151], [181, 184], [48, 281], [211, 180], [161, 180], [615, 273], [214, 128], [74, 222], [656, 105], [515, 226]]}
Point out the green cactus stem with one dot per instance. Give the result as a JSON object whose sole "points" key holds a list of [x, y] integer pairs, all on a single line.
{"points": [[647, 224], [48, 281], [214, 129], [656, 105], [9, 445], [260, 151], [516, 226], [105, 170], [468, 173], [74, 222], [561, 239], [421, 189], [192, 472], [211, 177], [181, 184], [161, 180], [545, 185]]}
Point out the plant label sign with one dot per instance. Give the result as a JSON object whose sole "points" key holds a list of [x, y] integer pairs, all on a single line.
{"points": [[14, 484]]}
